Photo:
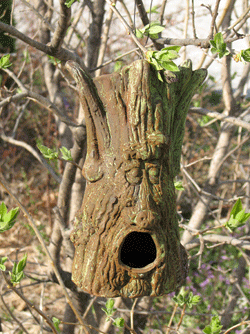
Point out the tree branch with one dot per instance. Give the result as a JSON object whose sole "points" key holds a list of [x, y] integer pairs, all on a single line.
{"points": [[62, 26], [221, 117], [62, 54], [30, 149], [218, 239]]}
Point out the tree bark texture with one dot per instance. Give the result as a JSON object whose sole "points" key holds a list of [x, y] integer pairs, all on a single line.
{"points": [[126, 232]]}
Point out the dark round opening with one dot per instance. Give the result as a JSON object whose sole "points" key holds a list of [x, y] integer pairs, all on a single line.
{"points": [[138, 250]]}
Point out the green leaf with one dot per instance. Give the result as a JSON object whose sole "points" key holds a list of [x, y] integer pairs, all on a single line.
{"points": [[219, 46], [2, 261], [236, 208], [3, 210], [138, 33], [7, 219], [66, 154], [245, 54], [178, 185], [22, 263], [214, 327], [170, 66], [5, 61], [193, 300], [119, 322], [110, 304], [17, 273], [69, 3], [54, 60], [155, 29], [219, 41], [109, 308], [47, 152], [238, 217], [56, 323], [153, 10]]}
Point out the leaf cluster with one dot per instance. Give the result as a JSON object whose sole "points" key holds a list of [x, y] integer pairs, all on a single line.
{"points": [[219, 46], [163, 60], [214, 327], [52, 154], [69, 3], [238, 217], [7, 219], [178, 185], [110, 310], [150, 30], [5, 61], [183, 298], [17, 273]]}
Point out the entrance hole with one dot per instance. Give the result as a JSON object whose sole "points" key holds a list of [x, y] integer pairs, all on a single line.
{"points": [[138, 250]]}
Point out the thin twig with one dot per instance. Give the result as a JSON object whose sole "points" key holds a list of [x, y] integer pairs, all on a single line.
{"points": [[163, 6], [40, 238], [129, 29], [46, 318], [181, 317], [171, 318], [213, 25], [193, 20], [221, 117], [132, 313], [62, 54], [13, 316], [30, 149], [105, 36]]}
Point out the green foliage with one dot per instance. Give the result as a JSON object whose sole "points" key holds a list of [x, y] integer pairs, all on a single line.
{"points": [[118, 65], [153, 10], [54, 60], [5, 61], [163, 60], [48, 153], [214, 327], [219, 46], [56, 323], [66, 154], [17, 273], [243, 55], [238, 217], [150, 30], [178, 185], [2, 261], [51, 154], [183, 299], [109, 307], [7, 219], [110, 310], [119, 322], [69, 3]]}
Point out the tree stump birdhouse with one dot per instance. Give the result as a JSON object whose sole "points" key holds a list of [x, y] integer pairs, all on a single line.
{"points": [[126, 234]]}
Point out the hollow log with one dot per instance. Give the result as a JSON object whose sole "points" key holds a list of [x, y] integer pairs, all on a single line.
{"points": [[126, 233]]}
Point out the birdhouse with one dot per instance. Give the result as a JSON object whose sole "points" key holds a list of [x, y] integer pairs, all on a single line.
{"points": [[126, 233]]}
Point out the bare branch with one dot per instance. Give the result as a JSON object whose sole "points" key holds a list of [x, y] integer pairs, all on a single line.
{"points": [[215, 14], [48, 321], [163, 6], [62, 26], [220, 239], [62, 54], [130, 31], [30, 149], [45, 248], [221, 117]]}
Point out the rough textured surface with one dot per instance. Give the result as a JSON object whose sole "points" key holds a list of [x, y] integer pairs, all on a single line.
{"points": [[126, 234]]}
